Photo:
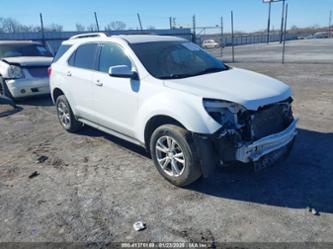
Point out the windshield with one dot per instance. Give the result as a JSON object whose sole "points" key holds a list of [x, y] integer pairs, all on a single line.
{"points": [[176, 59], [15, 50]]}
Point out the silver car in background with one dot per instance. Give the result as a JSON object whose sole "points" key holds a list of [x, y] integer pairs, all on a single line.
{"points": [[210, 44], [24, 69]]}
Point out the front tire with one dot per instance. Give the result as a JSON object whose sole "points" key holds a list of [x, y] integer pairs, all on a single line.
{"points": [[174, 156], [66, 116]]}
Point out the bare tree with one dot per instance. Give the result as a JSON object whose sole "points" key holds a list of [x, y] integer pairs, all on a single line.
{"points": [[9, 25], [1, 26], [116, 25], [53, 27], [80, 27], [91, 27], [151, 27]]}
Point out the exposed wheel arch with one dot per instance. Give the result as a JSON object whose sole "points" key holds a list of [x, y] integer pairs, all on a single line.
{"points": [[155, 122], [56, 93]]}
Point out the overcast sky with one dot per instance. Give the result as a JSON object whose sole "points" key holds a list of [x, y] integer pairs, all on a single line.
{"points": [[249, 15]]}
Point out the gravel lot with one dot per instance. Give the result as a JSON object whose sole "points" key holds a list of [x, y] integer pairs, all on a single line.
{"points": [[93, 187], [301, 51]]}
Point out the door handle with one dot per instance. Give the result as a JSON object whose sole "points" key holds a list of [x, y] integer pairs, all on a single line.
{"points": [[99, 83], [69, 74]]}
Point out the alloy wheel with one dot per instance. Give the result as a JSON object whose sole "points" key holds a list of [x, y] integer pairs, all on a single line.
{"points": [[170, 156], [64, 114]]}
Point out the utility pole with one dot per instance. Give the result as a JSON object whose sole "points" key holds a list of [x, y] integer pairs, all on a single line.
{"points": [[42, 28], [222, 42], [330, 24], [285, 36], [170, 22], [232, 36], [269, 21], [139, 19], [282, 20], [194, 29], [96, 20]]}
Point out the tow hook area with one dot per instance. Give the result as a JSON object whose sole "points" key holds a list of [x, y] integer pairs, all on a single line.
{"points": [[205, 153], [271, 158]]}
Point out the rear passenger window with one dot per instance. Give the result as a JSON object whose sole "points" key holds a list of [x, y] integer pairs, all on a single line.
{"points": [[85, 56], [112, 55]]}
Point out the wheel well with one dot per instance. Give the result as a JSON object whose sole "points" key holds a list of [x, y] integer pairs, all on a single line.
{"points": [[56, 93], [156, 122]]}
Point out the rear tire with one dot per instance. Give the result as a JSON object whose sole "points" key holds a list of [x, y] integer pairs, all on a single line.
{"points": [[66, 116], [174, 156]]}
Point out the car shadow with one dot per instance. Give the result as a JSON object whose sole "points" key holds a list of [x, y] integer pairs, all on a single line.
{"points": [[10, 111], [92, 132], [303, 180], [43, 100]]}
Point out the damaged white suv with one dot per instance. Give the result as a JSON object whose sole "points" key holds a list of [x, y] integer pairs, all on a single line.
{"points": [[189, 110]]}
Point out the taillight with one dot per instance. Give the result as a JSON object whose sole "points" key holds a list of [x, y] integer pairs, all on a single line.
{"points": [[49, 71]]}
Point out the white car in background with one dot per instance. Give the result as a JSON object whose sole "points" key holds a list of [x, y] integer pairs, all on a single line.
{"points": [[24, 69], [210, 44], [189, 110]]}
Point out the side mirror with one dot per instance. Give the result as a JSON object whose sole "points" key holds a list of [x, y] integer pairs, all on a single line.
{"points": [[122, 71]]}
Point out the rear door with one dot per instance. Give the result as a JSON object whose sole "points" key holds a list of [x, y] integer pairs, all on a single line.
{"points": [[80, 73]]}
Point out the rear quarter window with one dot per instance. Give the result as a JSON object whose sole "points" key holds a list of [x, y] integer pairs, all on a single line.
{"points": [[63, 49]]}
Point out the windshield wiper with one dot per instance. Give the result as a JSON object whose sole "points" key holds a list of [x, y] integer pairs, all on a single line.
{"points": [[177, 76], [206, 71], [210, 70]]}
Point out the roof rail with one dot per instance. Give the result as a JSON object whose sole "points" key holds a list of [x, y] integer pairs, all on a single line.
{"points": [[87, 35]]}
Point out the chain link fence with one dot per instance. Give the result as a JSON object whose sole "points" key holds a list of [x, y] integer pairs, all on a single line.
{"points": [[247, 47], [53, 39], [255, 48]]}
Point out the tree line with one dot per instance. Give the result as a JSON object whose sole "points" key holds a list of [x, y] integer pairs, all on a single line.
{"points": [[11, 25]]}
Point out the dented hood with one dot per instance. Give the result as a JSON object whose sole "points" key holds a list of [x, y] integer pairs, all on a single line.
{"points": [[244, 87], [26, 61]]}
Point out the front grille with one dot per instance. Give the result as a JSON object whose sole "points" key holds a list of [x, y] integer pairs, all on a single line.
{"points": [[38, 72], [271, 119], [266, 121]]}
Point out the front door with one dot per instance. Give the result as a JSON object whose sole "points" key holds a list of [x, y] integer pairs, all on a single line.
{"points": [[115, 101]]}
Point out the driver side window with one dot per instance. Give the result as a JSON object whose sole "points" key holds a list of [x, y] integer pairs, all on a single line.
{"points": [[112, 55]]}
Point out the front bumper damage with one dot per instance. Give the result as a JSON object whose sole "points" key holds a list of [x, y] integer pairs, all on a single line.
{"points": [[224, 147], [254, 151]]}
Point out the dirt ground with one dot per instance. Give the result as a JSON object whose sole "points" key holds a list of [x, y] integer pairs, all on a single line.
{"points": [[92, 187]]}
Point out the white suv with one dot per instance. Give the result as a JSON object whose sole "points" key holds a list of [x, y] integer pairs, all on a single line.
{"points": [[23, 69], [189, 110]]}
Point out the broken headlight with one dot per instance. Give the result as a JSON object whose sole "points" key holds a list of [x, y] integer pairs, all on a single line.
{"points": [[223, 112], [15, 72]]}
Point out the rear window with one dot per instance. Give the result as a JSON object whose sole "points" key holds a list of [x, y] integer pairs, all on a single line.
{"points": [[63, 49], [19, 49], [85, 56]]}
